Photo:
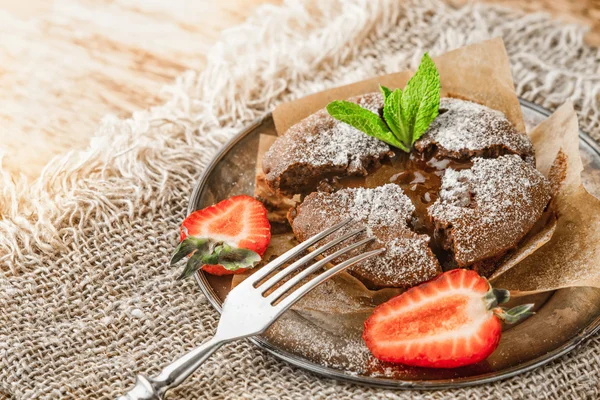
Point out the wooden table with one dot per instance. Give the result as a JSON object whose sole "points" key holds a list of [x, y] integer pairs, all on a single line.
{"points": [[66, 63]]}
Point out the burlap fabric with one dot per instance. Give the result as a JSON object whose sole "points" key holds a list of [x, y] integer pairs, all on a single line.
{"points": [[86, 295]]}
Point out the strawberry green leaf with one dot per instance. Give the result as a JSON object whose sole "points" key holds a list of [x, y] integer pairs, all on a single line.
{"points": [[421, 98], [233, 258], [363, 120], [187, 247], [194, 263], [496, 296], [502, 295], [211, 258], [210, 252], [515, 314]]}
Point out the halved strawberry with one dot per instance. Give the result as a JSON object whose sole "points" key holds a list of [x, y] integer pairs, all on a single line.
{"points": [[226, 238], [450, 321]]}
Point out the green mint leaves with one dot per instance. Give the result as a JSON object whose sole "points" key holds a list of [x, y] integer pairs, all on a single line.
{"points": [[207, 251], [406, 114], [420, 100], [363, 120]]}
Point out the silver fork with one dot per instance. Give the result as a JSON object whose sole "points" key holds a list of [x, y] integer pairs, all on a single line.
{"points": [[248, 311]]}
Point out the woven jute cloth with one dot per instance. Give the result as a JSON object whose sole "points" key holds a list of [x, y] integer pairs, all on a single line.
{"points": [[86, 294]]}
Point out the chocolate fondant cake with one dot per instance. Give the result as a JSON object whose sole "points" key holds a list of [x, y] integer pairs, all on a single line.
{"points": [[464, 129], [319, 147], [465, 196], [386, 212], [486, 210]]}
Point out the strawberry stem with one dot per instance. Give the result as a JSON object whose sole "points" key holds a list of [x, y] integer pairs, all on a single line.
{"points": [[496, 296], [515, 314]]}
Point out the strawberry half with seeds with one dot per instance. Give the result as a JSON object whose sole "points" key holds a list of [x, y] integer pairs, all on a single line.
{"points": [[450, 321], [226, 238]]}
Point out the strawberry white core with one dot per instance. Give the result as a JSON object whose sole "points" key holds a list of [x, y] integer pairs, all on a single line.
{"points": [[443, 316]]}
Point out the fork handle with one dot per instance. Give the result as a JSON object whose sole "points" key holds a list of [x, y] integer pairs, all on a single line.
{"points": [[173, 374]]}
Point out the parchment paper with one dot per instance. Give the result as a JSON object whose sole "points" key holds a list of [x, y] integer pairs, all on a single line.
{"points": [[479, 72], [572, 256]]}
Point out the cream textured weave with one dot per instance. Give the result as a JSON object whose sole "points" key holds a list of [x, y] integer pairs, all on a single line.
{"points": [[86, 296]]}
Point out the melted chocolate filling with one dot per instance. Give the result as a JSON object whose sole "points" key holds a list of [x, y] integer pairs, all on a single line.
{"points": [[420, 179]]}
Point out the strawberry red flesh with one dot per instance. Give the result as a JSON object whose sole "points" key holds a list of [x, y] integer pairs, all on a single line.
{"points": [[240, 221], [443, 323]]}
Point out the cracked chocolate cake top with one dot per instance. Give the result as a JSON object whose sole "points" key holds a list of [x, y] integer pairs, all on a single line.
{"points": [[386, 212], [320, 146], [487, 209], [465, 196], [464, 129]]}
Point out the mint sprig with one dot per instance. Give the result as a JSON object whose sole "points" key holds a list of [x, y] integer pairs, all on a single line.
{"points": [[363, 120], [406, 114], [385, 91]]}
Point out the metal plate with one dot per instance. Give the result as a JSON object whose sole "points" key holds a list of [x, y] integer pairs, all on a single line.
{"points": [[232, 172]]}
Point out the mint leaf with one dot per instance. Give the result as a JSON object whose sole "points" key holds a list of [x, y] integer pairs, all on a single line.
{"points": [[360, 118], [385, 92], [421, 99], [392, 113], [363, 120], [406, 114]]}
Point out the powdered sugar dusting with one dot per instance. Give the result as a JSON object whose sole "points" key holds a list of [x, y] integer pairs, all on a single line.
{"points": [[339, 144], [384, 205], [346, 352], [464, 127], [320, 141], [386, 211], [381, 206], [414, 250], [489, 207]]}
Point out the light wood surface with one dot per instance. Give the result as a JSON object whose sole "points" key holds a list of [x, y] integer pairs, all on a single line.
{"points": [[66, 63]]}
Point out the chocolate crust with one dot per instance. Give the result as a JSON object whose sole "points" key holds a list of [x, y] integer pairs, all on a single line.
{"points": [[464, 130], [320, 147], [484, 211], [386, 212]]}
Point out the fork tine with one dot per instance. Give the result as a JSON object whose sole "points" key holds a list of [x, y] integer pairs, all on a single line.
{"points": [[297, 294], [297, 264], [315, 267], [288, 255]]}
